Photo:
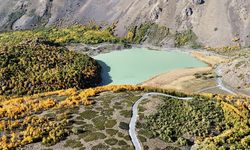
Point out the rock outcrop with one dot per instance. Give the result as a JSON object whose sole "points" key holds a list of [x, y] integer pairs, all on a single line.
{"points": [[199, 2], [215, 22]]}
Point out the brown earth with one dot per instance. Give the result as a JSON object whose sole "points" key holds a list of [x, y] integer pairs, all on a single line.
{"points": [[182, 80], [210, 59]]}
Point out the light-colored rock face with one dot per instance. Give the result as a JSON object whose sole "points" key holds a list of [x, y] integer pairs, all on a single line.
{"points": [[213, 25], [216, 22]]}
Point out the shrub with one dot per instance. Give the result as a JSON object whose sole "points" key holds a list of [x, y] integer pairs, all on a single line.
{"points": [[182, 141], [185, 38], [110, 123], [95, 37], [88, 114], [99, 122], [73, 144], [100, 147], [126, 113], [122, 142], [92, 136], [111, 132], [77, 130], [111, 141], [124, 126]]}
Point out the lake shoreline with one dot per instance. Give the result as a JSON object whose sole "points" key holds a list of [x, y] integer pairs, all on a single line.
{"points": [[103, 48], [94, 50], [134, 66], [184, 79], [184, 75]]}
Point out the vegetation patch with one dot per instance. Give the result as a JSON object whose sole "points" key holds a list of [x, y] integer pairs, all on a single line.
{"points": [[155, 34], [204, 75], [186, 38], [172, 148], [77, 130], [197, 117], [121, 135], [108, 112], [111, 141], [127, 137], [88, 114], [89, 34], [99, 122], [124, 126], [126, 113], [142, 139], [100, 147], [89, 127], [73, 144], [110, 123], [111, 132], [98, 36], [93, 136], [122, 142], [182, 141], [152, 32], [140, 32], [127, 147]]}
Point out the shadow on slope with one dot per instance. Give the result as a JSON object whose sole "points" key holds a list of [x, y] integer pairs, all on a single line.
{"points": [[106, 78]]}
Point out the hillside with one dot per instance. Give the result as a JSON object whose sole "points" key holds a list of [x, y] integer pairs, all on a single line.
{"points": [[238, 70], [216, 23], [39, 65], [187, 88], [34, 61], [98, 118]]}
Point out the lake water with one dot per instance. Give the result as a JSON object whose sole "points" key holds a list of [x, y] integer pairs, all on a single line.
{"points": [[133, 66]]}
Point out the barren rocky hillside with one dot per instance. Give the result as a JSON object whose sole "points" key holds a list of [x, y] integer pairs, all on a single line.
{"points": [[216, 23], [236, 72]]}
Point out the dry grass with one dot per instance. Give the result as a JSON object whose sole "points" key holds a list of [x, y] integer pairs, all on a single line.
{"points": [[182, 79]]}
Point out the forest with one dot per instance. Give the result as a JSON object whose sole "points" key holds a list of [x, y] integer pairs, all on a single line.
{"points": [[211, 121], [39, 65]]}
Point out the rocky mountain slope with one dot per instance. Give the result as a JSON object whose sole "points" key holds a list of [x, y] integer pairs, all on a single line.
{"points": [[236, 73], [216, 23]]}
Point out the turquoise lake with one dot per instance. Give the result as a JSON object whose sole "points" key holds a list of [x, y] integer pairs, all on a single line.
{"points": [[133, 66]]}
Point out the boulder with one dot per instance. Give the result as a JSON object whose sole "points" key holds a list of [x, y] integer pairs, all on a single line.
{"points": [[156, 13], [199, 2], [188, 11]]}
